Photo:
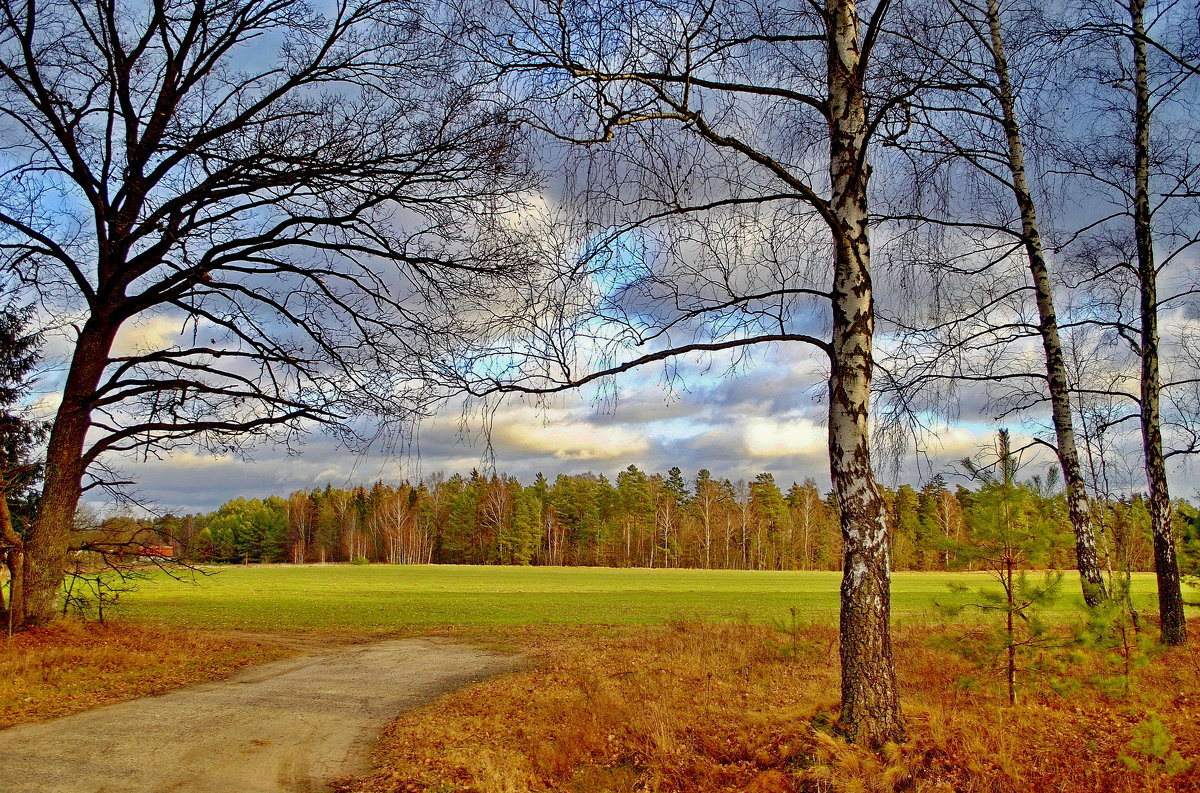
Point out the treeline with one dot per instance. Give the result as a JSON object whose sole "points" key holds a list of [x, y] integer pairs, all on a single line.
{"points": [[636, 520]]}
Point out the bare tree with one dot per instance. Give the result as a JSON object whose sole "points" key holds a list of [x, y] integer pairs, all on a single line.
{"points": [[1141, 161], [970, 139], [291, 191]]}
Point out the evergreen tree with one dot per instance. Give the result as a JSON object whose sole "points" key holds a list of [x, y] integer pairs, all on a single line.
{"points": [[676, 485], [526, 535], [461, 524], [909, 543], [1189, 543], [19, 436], [273, 530], [770, 515], [636, 516], [1009, 535], [250, 530]]}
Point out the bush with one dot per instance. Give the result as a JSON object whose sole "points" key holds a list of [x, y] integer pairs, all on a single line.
{"points": [[1150, 750]]}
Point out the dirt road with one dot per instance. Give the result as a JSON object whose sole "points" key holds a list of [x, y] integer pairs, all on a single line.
{"points": [[284, 727]]}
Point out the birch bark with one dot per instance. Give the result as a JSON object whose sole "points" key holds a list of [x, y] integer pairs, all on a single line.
{"points": [[870, 698], [1170, 596], [1078, 505]]}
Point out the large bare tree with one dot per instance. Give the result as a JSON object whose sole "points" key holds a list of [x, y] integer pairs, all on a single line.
{"points": [[290, 190]]}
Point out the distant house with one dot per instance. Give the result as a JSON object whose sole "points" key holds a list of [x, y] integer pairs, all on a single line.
{"points": [[157, 552]]}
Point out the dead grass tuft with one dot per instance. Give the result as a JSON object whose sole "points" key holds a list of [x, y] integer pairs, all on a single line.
{"points": [[686, 708], [72, 666]]}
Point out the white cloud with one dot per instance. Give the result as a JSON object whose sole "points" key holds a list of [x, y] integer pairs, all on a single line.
{"points": [[957, 441], [153, 333], [771, 417], [46, 405], [769, 438], [571, 440], [187, 459]]}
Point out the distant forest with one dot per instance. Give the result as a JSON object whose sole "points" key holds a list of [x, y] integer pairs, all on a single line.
{"points": [[638, 520]]}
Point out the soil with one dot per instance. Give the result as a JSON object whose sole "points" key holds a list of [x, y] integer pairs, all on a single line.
{"points": [[286, 727]]}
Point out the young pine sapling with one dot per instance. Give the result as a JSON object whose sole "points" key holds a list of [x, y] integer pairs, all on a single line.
{"points": [[1009, 535]]}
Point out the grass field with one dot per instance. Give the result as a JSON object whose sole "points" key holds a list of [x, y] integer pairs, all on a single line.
{"points": [[722, 695], [381, 598]]}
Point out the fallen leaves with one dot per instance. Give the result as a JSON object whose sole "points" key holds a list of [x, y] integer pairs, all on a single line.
{"points": [[719, 708]]}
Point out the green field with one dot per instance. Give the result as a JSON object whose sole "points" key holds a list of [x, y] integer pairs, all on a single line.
{"points": [[380, 598]]}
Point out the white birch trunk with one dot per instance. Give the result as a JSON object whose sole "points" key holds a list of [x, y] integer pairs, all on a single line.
{"points": [[870, 697], [1170, 596], [1087, 560]]}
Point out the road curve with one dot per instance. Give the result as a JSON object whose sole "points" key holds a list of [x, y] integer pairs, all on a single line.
{"points": [[284, 727]]}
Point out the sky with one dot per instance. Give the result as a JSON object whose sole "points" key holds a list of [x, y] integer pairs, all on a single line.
{"points": [[764, 412], [736, 417], [768, 415]]}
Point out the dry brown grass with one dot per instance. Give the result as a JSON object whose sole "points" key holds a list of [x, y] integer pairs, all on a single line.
{"points": [[72, 666], [733, 707]]}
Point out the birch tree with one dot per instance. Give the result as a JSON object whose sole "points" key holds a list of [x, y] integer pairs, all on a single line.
{"points": [[973, 129], [1141, 161], [721, 110]]}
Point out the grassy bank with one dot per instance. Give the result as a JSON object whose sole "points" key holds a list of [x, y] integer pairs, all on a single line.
{"points": [[71, 666]]}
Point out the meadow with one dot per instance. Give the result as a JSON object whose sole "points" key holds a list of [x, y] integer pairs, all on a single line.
{"points": [[696, 681], [384, 598], [678, 681]]}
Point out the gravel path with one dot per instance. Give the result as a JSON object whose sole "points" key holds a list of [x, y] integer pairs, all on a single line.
{"points": [[288, 726]]}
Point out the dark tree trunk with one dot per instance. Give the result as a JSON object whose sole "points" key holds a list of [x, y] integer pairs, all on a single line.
{"points": [[50, 536], [14, 560], [870, 698]]}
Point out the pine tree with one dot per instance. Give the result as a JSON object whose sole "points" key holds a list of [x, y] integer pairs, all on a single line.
{"points": [[770, 514], [1009, 535], [909, 545], [461, 525], [19, 435], [637, 515], [526, 535]]}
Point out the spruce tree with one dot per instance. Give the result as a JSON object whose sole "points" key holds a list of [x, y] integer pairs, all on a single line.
{"points": [[19, 438]]}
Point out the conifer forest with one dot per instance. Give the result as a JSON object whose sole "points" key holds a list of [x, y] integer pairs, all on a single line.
{"points": [[638, 520]]}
